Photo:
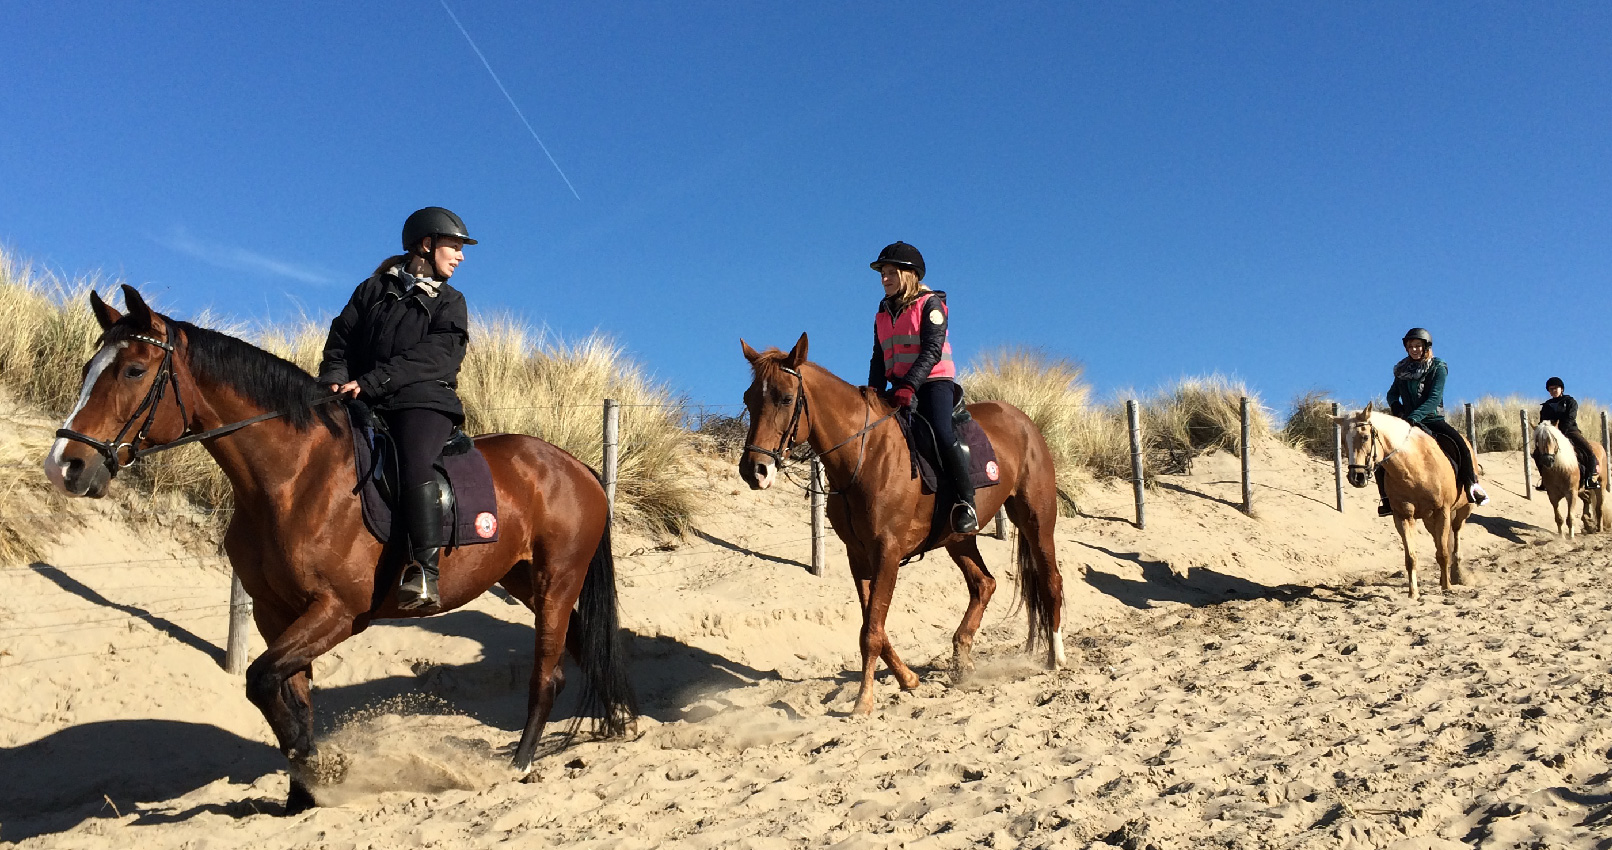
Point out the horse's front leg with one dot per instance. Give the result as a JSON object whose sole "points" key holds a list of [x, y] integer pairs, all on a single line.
{"points": [[1403, 526], [1438, 525], [876, 593], [277, 683]]}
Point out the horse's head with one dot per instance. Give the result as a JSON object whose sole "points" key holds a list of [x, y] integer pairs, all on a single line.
{"points": [[1359, 444], [129, 399], [1544, 446], [776, 402]]}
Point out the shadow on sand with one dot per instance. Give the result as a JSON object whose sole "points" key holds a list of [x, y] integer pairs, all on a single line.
{"points": [[89, 594], [69, 776], [1505, 528], [1200, 587]]}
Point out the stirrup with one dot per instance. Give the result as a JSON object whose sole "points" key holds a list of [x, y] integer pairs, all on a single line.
{"points": [[418, 589], [964, 519]]}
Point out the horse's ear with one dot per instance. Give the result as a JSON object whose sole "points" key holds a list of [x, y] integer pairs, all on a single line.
{"points": [[138, 311], [1370, 405], [797, 355], [750, 354], [104, 312]]}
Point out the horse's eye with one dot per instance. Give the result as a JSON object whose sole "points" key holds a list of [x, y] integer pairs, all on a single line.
{"points": [[788, 399], [134, 371]]}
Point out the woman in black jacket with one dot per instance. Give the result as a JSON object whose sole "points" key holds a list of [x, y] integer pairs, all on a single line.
{"points": [[398, 345], [1562, 410]]}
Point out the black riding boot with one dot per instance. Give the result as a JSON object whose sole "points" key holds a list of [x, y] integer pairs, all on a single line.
{"points": [[964, 518], [422, 507], [1383, 508]]}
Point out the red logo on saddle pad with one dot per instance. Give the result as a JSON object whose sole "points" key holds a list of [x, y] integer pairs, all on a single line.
{"points": [[486, 525], [991, 470]]}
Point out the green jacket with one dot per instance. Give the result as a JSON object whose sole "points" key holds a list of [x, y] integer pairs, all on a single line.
{"points": [[1420, 400]]}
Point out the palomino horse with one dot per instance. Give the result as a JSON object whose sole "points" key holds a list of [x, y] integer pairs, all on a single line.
{"points": [[1558, 465], [880, 511], [298, 542], [1420, 483]]}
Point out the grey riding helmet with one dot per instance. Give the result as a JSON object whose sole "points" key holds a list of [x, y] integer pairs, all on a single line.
{"points": [[432, 221], [1419, 333]]}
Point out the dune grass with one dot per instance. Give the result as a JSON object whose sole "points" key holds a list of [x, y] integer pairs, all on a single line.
{"points": [[1309, 425], [514, 379], [1050, 390]]}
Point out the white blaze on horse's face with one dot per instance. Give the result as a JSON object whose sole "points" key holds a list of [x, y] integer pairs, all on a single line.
{"points": [[55, 464]]}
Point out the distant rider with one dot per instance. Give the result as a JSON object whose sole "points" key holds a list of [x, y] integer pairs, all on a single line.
{"points": [[398, 345], [1562, 409], [1417, 396], [912, 352]]}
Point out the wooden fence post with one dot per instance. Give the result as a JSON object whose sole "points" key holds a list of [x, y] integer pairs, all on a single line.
{"points": [[1248, 487], [818, 509], [1136, 460], [1606, 446], [1527, 470], [1001, 524], [1337, 456], [612, 431], [240, 625], [1471, 431]]}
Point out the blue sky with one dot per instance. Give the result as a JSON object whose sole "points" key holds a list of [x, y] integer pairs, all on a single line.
{"points": [[1273, 190]]}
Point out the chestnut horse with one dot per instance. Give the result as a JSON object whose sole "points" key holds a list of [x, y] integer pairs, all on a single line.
{"points": [[1558, 466], [880, 511], [298, 542], [1420, 482]]}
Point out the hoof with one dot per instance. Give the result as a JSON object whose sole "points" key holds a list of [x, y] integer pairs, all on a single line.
{"points": [[327, 766], [300, 800]]}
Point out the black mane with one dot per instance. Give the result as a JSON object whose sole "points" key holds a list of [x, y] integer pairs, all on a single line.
{"points": [[268, 380]]}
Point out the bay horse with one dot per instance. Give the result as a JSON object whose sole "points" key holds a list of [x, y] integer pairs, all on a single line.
{"points": [[1558, 466], [1420, 482], [297, 539], [879, 510]]}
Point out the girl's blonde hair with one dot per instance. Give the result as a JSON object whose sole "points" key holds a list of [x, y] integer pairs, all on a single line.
{"points": [[910, 289]]}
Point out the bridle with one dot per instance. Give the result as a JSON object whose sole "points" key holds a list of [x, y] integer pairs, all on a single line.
{"points": [[112, 450], [787, 444], [1372, 461]]}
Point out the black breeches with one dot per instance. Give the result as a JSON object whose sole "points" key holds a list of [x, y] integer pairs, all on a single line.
{"points": [[1466, 472], [418, 434], [1581, 447], [935, 400]]}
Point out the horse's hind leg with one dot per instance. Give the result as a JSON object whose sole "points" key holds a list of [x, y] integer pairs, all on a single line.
{"points": [[1403, 526], [1438, 525], [981, 586], [277, 683]]}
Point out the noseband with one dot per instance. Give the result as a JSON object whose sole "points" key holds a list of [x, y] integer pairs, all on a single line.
{"points": [[787, 443], [111, 451]]}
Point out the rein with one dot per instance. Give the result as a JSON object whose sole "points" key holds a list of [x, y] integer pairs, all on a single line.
{"points": [[787, 444], [1372, 461], [113, 450]]}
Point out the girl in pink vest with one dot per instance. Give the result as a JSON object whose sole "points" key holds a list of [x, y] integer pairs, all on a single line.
{"points": [[912, 353]]}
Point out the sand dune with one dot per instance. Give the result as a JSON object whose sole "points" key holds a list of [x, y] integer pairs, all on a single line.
{"points": [[1234, 681]]}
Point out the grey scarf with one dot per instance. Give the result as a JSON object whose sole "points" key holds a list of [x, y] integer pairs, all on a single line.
{"points": [[428, 285], [1414, 369]]}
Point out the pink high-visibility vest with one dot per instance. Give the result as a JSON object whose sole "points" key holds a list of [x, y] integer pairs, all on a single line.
{"points": [[899, 339]]}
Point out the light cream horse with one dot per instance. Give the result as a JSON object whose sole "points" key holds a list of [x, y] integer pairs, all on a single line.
{"points": [[1420, 482], [1558, 466]]}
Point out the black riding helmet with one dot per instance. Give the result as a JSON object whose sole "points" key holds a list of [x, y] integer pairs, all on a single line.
{"points": [[901, 255], [1555, 382], [1419, 333], [432, 221]]}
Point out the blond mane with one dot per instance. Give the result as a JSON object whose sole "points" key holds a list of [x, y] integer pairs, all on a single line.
{"points": [[1549, 440]]}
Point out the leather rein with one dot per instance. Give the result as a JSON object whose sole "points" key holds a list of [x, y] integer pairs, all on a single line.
{"points": [[113, 450], [787, 444]]}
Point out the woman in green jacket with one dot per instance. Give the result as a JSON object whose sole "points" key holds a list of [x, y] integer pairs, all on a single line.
{"points": [[1417, 396]]}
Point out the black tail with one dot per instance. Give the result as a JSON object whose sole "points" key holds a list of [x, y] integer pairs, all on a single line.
{"points": [[601, 654], [1033, 593]]}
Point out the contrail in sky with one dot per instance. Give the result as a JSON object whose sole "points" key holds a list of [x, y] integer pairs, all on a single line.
{"points": [[511, 100]]}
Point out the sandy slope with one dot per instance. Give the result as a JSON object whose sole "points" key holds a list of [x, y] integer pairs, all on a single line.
{"points": [[1234, 681]]}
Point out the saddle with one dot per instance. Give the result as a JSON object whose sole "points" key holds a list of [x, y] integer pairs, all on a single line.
{"points": [[469, 500], [926, 464], [1452, 449]]}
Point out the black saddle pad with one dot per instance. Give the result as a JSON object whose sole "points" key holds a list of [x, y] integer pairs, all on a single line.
{"points": [[467, 480], [1452, 450], [982, 466]]}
